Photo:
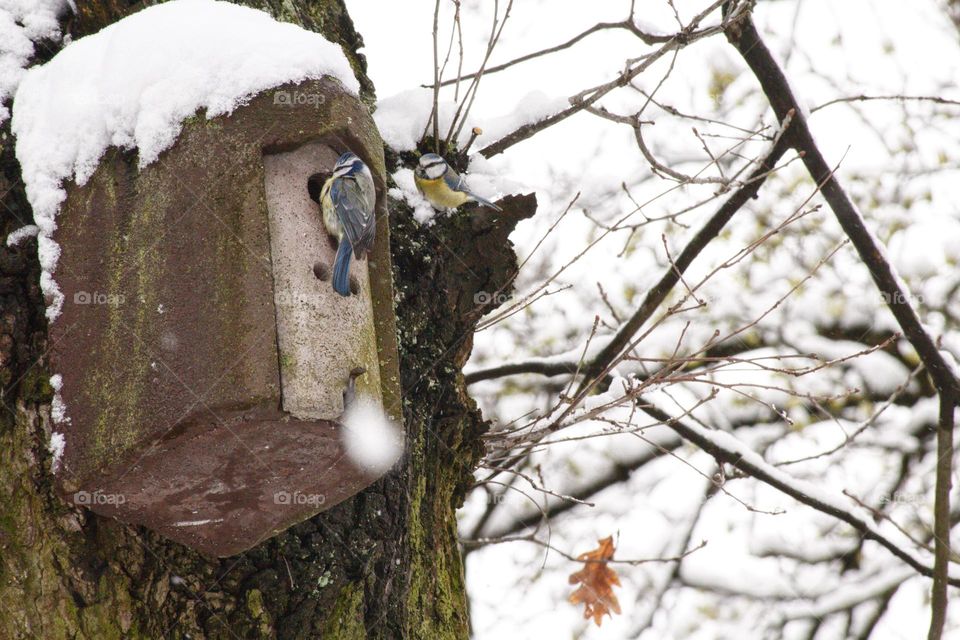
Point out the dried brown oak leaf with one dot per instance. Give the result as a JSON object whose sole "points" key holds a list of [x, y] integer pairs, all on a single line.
{"points": [[596, 583]]}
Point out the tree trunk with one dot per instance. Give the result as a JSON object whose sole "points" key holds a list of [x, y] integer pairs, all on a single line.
{"points": [[384, 564]]}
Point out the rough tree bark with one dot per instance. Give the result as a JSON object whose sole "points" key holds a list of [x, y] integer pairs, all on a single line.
{"points": [[384, 564]]}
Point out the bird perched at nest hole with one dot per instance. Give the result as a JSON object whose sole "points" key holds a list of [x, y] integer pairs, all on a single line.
{"points": [[347, 200], [442, 186]]}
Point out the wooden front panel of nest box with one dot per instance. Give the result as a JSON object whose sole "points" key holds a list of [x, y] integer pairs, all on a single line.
{"points": [[322, 335], [203, 362]]}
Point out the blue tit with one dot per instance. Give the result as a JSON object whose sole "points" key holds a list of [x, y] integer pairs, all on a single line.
{"points": [[348, 199], [442, 186]]}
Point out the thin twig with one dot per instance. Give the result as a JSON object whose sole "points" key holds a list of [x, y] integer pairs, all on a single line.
{"points": [[628, 25], [480, 542], [863, 98], [435, 115], [463, 109]]}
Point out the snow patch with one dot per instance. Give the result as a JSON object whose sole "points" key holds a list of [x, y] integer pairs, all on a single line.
{"points": [[406, 190], [21, 234], [23, 23], [371, 440], [197, 523], [489, 182], [132, 84], [57, 444], [402, 118], [58, 410]]}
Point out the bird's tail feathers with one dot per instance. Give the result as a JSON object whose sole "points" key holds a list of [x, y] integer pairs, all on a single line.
{"points": [[341, 268], [484, 202]]}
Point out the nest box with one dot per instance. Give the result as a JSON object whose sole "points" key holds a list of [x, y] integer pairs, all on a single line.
{"points": [[203, 351]]}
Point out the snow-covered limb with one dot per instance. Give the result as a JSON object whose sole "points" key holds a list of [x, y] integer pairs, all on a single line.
{"points": [[813, 551], [851, 595]]}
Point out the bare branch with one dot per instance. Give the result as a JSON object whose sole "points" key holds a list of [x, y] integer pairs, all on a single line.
{"points": [[941, 522], [751, 47], [658, 167], [728, 449], [755, 53], [634, 68], [659, 292]]}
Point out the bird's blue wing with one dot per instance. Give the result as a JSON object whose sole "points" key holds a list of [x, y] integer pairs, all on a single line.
{"points": [[455, 181], [354, 202]]}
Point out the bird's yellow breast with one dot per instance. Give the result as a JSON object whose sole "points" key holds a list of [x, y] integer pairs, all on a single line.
{"points": [[330, 220], [438, 193]]}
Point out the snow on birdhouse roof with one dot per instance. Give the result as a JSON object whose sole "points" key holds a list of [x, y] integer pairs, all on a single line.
{"points": [[133, 84]]}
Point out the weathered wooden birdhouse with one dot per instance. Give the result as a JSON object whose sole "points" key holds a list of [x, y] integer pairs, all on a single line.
{"points": [[203, 352]]}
